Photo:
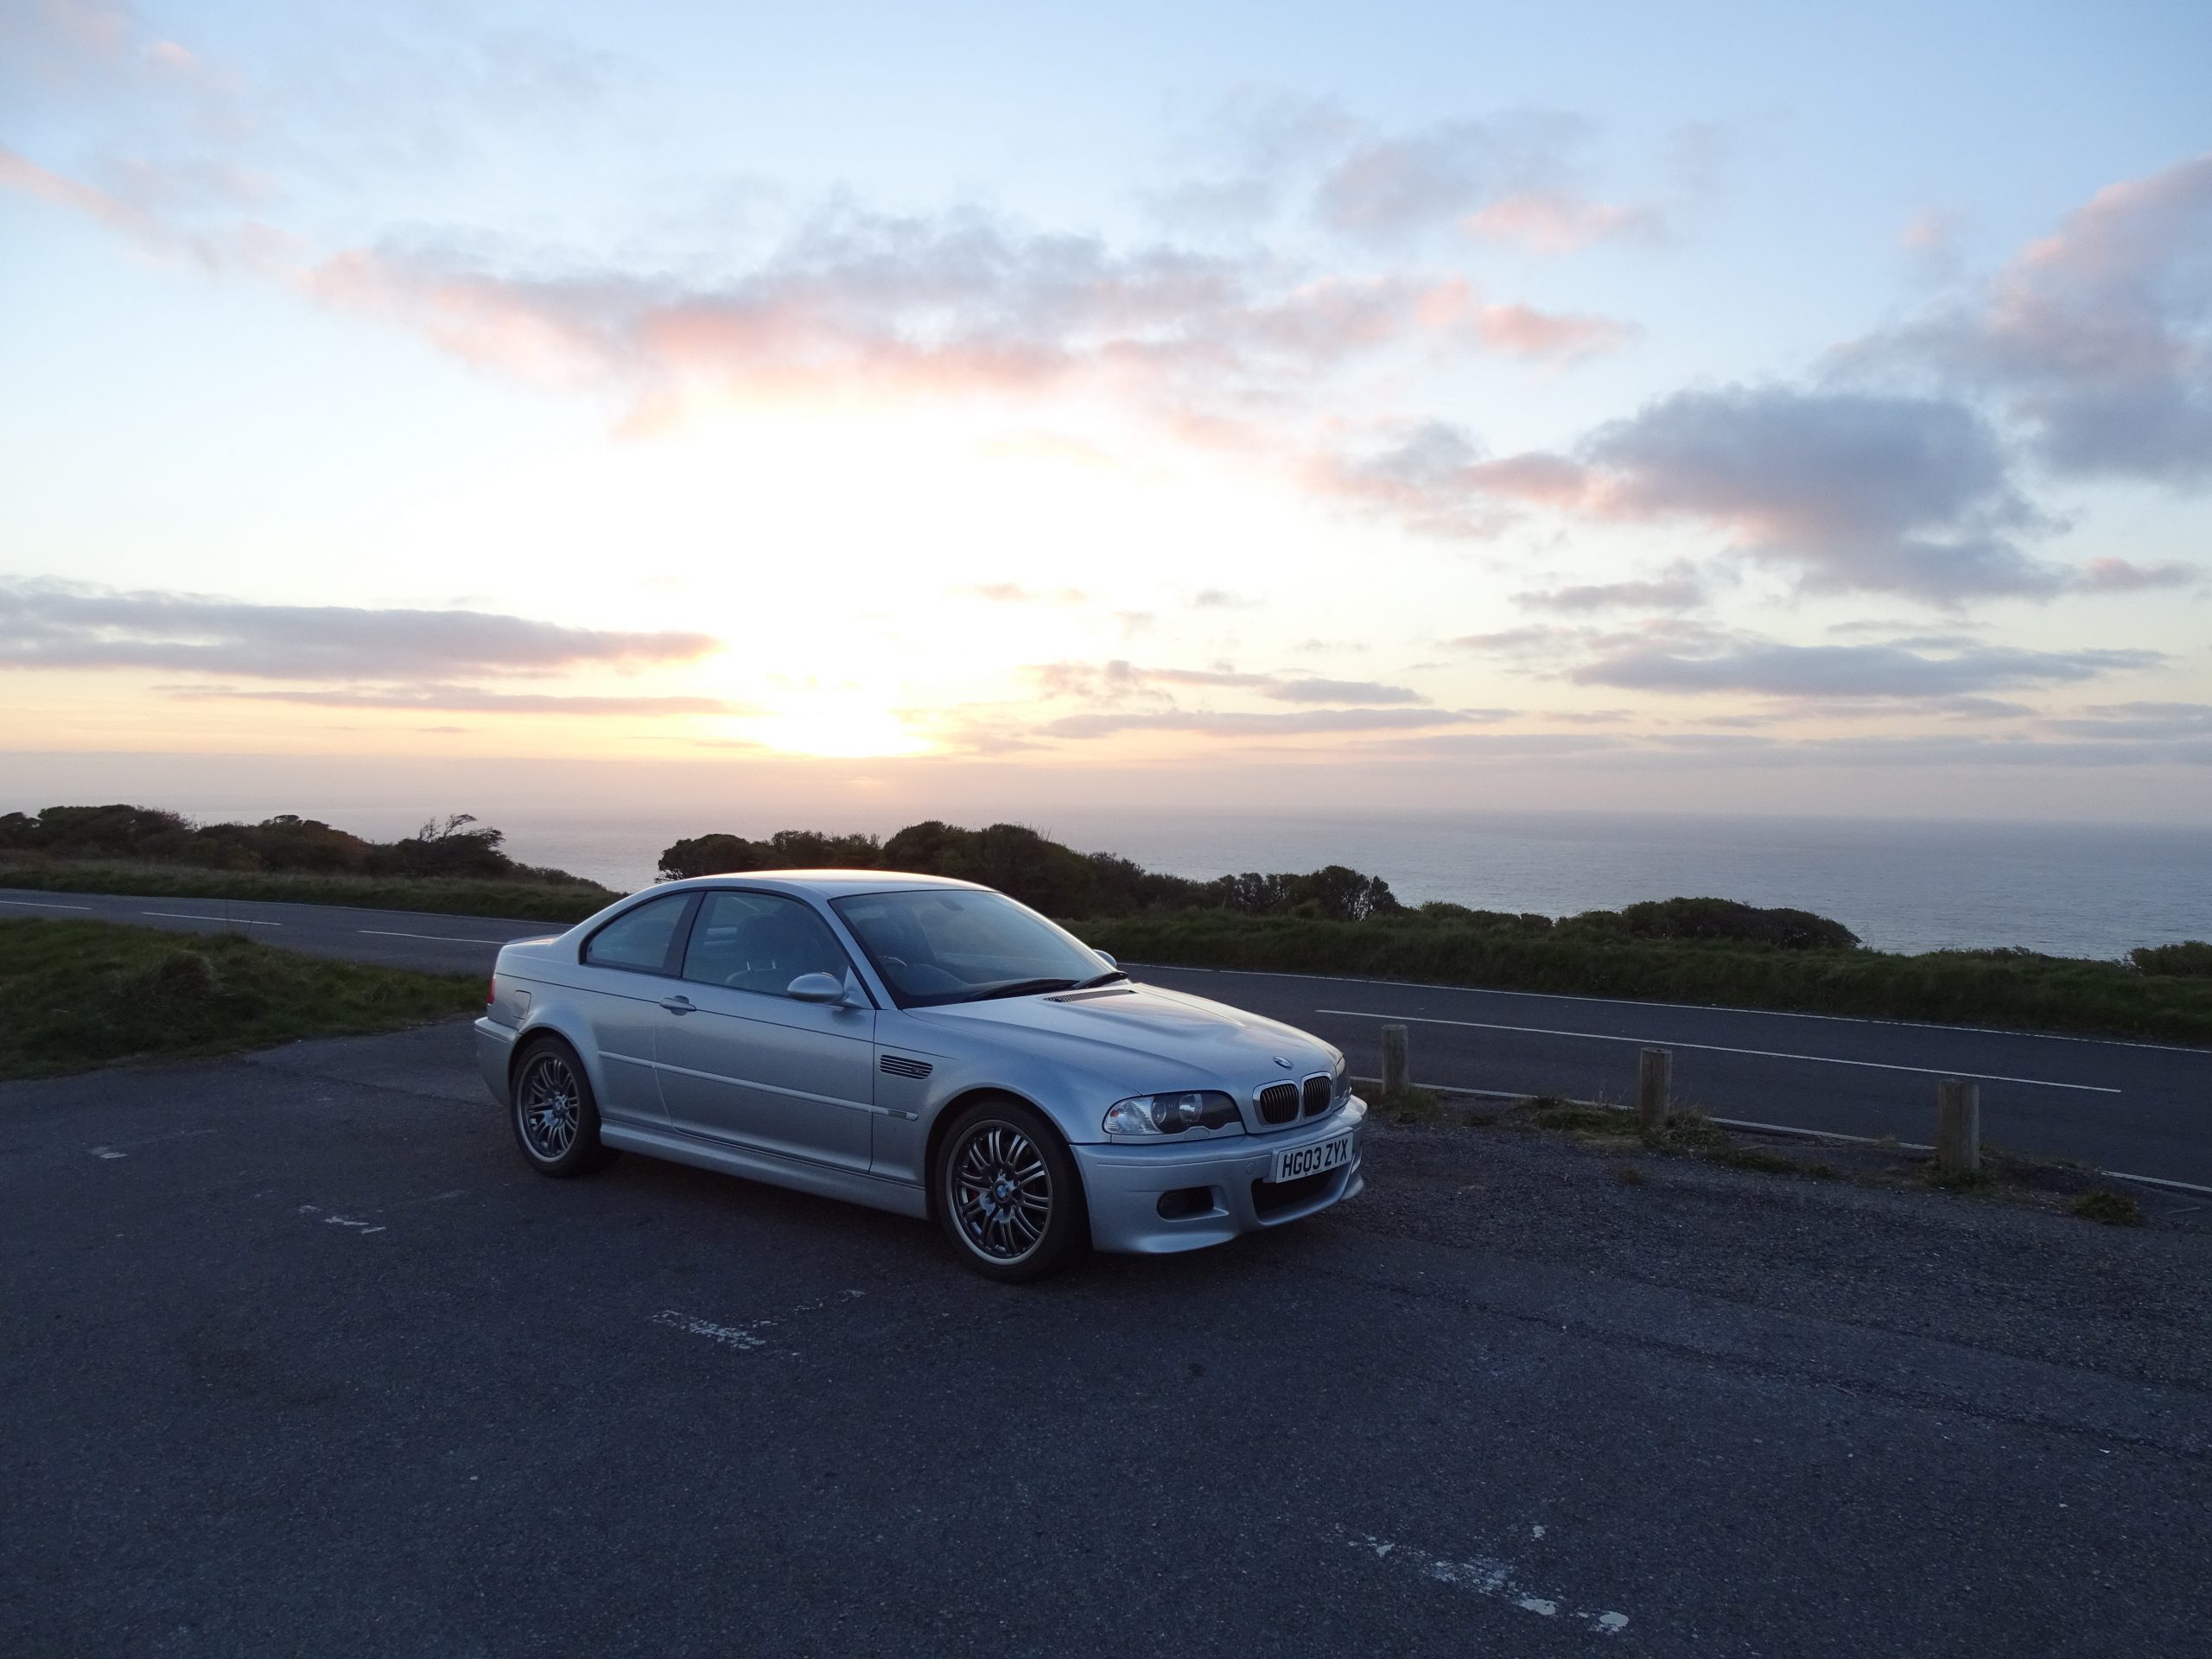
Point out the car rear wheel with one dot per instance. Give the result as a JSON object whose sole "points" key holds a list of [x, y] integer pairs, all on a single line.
{"points": [[1007, 1194], [554, 1117]]}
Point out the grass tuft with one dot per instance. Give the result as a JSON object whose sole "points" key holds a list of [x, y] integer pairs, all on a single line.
{"points": [[80, 995], [2112, 1208], [1410, 1105]]}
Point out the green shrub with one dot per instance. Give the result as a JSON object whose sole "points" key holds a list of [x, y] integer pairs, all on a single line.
{"points": [[2191, 957]]}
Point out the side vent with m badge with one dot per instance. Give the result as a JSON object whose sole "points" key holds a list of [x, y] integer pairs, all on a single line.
{"points": [[900, 1066]]}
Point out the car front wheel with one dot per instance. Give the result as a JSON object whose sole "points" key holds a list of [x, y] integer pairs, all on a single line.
{"points": [[1008, 1193], [554, 1117]]}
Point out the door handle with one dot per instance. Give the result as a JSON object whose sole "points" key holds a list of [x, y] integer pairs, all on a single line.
{"points": [[678, 1005]]}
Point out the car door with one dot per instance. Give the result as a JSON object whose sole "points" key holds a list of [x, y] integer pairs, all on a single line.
{"points": [[625, 970], [752, 1066]]}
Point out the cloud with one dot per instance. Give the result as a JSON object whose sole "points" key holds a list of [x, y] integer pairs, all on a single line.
{"points": [[62, 625], [2096, 339], [1678, 590], [1437, 480], [1012, 593], [1553, 222], [1303, 723], [1388, 187], [1772, 669], [2115, 575], [1360, 691], [929, 305], [466, 699], [2138, 722], [1858, 492]]}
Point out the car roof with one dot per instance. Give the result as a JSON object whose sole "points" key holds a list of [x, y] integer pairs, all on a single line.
{"points": [[822, 884]]}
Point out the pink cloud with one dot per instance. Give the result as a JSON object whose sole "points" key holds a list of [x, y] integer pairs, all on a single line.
{"points": [[2115, 575], [1555, 221]]}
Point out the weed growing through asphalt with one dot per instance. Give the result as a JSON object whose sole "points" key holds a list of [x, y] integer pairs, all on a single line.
{"points": [[2113, 1209]]}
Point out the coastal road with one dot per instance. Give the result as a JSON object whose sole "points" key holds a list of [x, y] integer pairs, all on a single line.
{"points": [[301, 1359], [2142, 1109]]}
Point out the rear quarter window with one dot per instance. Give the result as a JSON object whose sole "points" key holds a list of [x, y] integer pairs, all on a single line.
{"points": [[638, 940]]}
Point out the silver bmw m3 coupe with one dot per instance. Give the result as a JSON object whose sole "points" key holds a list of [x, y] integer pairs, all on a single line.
{"points": [[923, 1045]]}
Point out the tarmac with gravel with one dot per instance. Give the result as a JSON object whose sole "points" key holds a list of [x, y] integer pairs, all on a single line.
{"points": [[301, 1359]]}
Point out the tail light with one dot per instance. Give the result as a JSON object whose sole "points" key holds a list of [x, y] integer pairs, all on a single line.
{"points": [[492, 991]]}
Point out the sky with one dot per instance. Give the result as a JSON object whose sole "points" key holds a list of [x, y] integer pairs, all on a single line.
{"points": [[1727, 407]]}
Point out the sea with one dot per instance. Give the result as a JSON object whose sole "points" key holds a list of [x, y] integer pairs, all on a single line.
{"points": [[2069, 889]]}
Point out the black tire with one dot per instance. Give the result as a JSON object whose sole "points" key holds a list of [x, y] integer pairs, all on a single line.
{"points": [[1007, 1194], [553, 1112]]}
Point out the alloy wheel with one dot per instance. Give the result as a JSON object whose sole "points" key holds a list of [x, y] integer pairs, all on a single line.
{"points": [[548, 1107], [1001, 1191]]}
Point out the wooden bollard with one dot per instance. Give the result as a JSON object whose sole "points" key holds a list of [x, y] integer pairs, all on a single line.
{"points": [[1654, 1070], [1958, 1126], [1396, 1063]]}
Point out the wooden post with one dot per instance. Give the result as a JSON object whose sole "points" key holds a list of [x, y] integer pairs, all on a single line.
{"points": [[1654, 1070], [1396, 1064], [1958, 1126]]}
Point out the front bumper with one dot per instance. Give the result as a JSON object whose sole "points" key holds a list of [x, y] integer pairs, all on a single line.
{"points": [[1123, 1185], [495, 1047]]}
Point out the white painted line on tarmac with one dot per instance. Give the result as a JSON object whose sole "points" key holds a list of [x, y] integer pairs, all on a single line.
{"points": [[2159, 1180], [334, 1219], [743, 1336], [740, 1336], [33, 904], [1485, 1575], [1721, 1048], [442, 938], [228, 921]]}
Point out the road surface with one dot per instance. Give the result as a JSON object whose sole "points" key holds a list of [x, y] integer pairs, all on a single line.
{"points": [[2135, 1108], [300, 1359]]}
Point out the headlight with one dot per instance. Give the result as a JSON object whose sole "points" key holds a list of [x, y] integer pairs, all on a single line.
{"points": [[1200, 1109]]}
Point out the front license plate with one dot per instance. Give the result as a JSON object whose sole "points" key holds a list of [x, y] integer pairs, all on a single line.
{"points": [[1311, 1160]]}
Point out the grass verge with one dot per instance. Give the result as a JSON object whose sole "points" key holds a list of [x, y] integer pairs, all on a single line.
{"points": [[2027, 992], [2045, 1183], [80, 995], [529, 901]]}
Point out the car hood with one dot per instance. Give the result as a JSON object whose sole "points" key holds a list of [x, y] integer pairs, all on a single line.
{"points": [[1148, 1026]]}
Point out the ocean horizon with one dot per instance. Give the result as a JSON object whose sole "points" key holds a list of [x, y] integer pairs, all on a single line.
{"points": [[2069, 889]]}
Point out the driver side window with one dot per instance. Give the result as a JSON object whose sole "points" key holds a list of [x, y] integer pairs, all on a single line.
{"points": [[760, 941]]}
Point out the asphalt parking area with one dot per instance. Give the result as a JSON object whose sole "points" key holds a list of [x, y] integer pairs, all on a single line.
{"points": [[303, 1359]]}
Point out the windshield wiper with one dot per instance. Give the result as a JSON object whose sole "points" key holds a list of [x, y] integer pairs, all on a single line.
{"points": [[1106, 978], [1022, 987]]}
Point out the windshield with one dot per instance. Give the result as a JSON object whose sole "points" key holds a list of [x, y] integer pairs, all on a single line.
{"points": [[962, 945]]}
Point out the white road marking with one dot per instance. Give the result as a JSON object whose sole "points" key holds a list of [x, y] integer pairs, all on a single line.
{"points": [[2158, 1180], [1692, 1007], [442, 938], [1486, 1576], [228, 921], [730, 1335], [1720, 1048], [742, 1337], [33, 904], [151, 1141], [334, 1219]]}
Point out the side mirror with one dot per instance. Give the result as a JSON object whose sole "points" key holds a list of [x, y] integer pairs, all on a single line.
{"points": [[1106, 956], [815, 987]]}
